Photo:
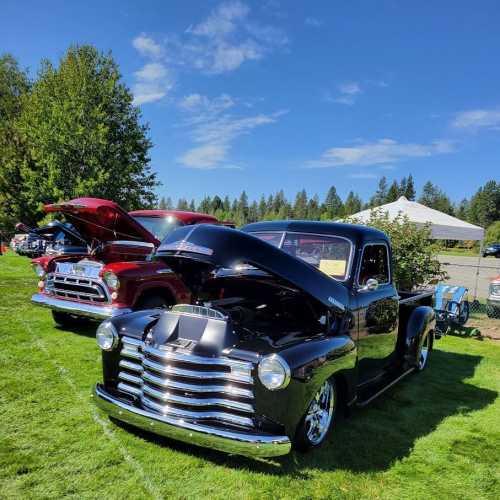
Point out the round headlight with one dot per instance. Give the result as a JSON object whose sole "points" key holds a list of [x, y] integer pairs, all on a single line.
{"points": [[111, 280], [39, 270], [274, 372], [107, 336]]}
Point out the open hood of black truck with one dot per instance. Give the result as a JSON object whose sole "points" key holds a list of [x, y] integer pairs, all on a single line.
{"points": [[206, 248]]}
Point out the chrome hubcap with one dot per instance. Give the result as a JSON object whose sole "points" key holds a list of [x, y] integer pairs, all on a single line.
{"points": [[320, 412], [424, 353]]}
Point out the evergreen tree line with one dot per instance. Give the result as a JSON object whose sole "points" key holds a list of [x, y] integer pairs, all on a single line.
{"points": [[483, 208]]}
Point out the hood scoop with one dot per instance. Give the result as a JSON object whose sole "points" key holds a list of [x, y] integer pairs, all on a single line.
{"points": [[201, 330]]}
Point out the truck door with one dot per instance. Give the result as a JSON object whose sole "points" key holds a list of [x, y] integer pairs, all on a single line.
{"points": [[378, 310]]}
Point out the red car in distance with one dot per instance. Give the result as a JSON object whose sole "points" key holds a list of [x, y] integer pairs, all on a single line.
{"points": [[116, 275]]}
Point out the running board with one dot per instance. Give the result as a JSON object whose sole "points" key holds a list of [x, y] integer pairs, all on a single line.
{"points": [[381, 391]]}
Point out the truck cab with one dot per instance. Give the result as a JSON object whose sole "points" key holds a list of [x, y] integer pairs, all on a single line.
{"points": [[114, 273], [290, 322]]}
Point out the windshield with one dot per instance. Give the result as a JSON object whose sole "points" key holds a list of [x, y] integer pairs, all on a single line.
{"points": [[159, 227], [329, 254]]}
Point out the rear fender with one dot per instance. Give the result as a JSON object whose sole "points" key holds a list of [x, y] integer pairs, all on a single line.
{"points": [[421, 321]]}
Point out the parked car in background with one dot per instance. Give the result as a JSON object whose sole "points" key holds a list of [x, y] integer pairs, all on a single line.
{"points": [[52, 238], [115, 275], [16, 241], [290, 322], [492, 250], [493, 300]]}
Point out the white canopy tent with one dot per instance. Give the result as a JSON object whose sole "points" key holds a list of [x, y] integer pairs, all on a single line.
{"points": [[443, 226]]}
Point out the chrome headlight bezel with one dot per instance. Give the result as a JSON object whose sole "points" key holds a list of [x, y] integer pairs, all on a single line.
{"points": [[274, 372], [106, 336], [111, 280]]}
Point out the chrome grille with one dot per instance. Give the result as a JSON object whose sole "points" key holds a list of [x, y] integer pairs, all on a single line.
{"points": [[184, 385], [76, 287]]}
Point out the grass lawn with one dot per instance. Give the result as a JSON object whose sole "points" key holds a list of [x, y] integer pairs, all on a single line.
{"points": [[459, 252], [435, 435]]}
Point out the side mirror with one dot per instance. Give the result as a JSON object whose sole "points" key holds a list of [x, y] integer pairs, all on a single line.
{"points": [[370, 285]]}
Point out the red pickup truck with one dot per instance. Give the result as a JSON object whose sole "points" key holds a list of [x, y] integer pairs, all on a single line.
{"points": [[116, 275]]}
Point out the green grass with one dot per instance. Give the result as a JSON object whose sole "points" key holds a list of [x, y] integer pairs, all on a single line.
{"points": [[435, 435], [459, 252]]}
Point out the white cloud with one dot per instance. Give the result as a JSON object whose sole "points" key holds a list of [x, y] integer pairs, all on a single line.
{"points": [[313, 22], [213, 130], [151, 71], [221, 43], [146, 46], [364, 175], [383, 151], [477, 119], [349, 88], [153, 82]]}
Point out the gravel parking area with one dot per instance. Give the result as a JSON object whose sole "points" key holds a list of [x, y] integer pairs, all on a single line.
{"points": [[462, 271]]}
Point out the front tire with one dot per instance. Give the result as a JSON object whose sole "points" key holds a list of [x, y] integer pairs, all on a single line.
{"points": [[319, 419]]}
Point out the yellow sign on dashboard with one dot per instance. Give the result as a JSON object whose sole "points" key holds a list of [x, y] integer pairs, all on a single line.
{"points": [[332, 267]]}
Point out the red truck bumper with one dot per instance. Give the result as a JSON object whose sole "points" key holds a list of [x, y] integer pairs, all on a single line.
{"points": [[78, 308]]}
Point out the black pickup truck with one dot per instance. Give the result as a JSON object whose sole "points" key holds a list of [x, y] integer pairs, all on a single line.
{"points": [[291, 322]]}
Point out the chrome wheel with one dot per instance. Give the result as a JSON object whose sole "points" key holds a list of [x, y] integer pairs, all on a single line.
{"points": [[424, 353], [319, 414]]}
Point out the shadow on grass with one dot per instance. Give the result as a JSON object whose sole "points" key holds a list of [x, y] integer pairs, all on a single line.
{"points": [[82, 326], [377, 435]]}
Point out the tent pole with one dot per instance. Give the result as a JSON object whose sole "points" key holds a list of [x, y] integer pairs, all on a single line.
{"points": [[478, 267]]}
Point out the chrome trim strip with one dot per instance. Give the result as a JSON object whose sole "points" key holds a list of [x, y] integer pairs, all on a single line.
{"points": [[131, 353], [241, 443], [181, 372], [128, 365], [131, 341], [128, 377], [181, 386], [78, 308], [197, 415], [200, 360], [130, 389], [175, 398]]}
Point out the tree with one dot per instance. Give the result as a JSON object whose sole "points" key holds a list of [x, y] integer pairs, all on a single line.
{"points": [[163, 203], [394, 192], [381, 194], [334, 207], [462, 210], [433, 197], [300, 205], [493, 233], [352, 204], [84, 134], [414, 259], [485, 204], [14, 85], [409, 191]]}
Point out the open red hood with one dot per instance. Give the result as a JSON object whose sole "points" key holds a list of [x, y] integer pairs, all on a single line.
{"points": [[102, 220]]}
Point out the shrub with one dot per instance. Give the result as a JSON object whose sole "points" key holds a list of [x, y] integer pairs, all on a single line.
{"points": [[493, 233]]}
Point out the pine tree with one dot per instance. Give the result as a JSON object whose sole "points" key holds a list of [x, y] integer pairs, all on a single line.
{"points": [[409, 192], [333, 204], [163, 204], [381, 194], [392, 193], [352, 204], [300, 205]]}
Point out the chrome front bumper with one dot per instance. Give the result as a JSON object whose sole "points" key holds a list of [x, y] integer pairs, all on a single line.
{"points": [[240, 443], [78, 308]]}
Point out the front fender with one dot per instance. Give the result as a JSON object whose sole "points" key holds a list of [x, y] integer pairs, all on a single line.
{"points": [[421, 321], [311, 363]]}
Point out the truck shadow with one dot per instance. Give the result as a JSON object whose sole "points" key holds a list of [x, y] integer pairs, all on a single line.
{"points": [[372, 438]]}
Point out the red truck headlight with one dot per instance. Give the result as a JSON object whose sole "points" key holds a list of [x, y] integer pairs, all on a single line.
{"points": [[111, 279], [39, 270]]}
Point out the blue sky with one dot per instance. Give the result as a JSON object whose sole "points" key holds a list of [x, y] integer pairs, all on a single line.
{"points": [[268, 95]]}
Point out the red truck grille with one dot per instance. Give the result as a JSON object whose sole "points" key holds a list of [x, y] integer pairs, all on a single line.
{"points": [[78, 288], [183, 385]]}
